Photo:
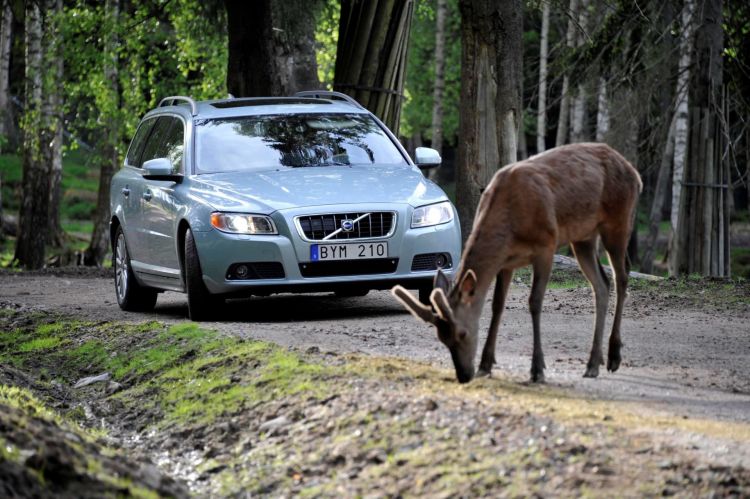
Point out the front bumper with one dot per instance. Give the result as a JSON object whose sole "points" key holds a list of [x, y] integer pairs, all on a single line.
{"points": [[218, 251]]}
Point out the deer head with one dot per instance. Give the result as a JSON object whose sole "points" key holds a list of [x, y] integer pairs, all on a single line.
{"points": [[456, 317]]}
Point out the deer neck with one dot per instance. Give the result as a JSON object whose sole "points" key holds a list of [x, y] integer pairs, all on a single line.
{"points": [[485, 256]]}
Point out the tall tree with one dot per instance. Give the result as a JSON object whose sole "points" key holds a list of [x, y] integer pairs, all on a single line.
{"points": [[491, 107], [703, 225], [564, 117], [33, 223], [371, 54], [437, 94], [541, 120], [578, 106], [53, 103], [6, 37], [110, 161], [271, 46]]}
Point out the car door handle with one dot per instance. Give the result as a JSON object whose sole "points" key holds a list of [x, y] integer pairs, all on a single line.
{"points": [[147, 195], [125, 192]]}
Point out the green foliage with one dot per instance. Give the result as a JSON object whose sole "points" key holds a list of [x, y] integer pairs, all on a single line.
{"points": [[416, 116], [326, 39]]}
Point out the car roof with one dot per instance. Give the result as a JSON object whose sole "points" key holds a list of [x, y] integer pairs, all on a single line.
{"points": [[252, 106]]}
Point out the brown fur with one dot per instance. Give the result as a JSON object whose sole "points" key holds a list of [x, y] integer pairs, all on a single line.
{"points": [[571, 194]]}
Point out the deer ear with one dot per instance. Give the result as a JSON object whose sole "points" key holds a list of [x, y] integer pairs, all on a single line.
{"points": [[440, 302], [418, 310], [467, 286], [442, 282]]}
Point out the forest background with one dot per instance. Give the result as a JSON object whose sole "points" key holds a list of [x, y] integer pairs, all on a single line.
{"points": [[665, 83]]}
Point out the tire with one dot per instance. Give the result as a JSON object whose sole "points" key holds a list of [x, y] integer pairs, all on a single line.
{"points": [[131, 296], [202, 305]]}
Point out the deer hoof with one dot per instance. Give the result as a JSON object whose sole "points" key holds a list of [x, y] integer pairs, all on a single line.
{"points": [[592, 371], [537, 377], [484, 372], [613, 363]]}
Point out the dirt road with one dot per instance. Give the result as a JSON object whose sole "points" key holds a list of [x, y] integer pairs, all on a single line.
{"points": [[679, 357]]}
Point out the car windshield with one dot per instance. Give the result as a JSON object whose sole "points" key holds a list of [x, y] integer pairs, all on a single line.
{"points": [[254, 143]]}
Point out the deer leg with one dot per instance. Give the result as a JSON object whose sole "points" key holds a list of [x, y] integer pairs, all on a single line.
{"points": [[542, 266], [586, 255], [498, 305], [618, 259]]}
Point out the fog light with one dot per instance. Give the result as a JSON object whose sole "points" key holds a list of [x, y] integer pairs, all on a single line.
{"points": [[440, 260], [241, 271]]}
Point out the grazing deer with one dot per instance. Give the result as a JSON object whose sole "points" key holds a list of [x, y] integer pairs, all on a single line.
{"points": [[571, 194]]}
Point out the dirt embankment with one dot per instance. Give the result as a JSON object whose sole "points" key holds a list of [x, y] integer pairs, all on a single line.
{"points": [[187, 408]]}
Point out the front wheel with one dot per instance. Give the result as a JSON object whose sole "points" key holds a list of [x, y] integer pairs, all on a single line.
{"points": [[202, 305], [131, 296]]}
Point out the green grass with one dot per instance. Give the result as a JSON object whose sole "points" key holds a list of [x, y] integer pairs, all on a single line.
{"points": [[40, 344]]}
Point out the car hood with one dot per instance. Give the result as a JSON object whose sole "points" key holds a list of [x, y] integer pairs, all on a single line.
{"points": [[268, 191]]}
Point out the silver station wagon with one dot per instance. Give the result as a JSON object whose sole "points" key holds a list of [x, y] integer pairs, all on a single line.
{"points": [[254, 196]]}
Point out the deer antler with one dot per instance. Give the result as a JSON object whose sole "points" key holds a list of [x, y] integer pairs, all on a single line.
{"points": [[419, 310]]}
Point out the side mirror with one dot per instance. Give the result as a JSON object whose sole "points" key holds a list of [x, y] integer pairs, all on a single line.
{"points": [[160, 169], [425, 157]]}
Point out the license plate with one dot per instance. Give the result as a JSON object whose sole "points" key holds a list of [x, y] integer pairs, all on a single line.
{"points": [[360, 251]]}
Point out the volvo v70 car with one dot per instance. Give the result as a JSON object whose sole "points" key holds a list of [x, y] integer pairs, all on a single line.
{"points": [[244, 196]]}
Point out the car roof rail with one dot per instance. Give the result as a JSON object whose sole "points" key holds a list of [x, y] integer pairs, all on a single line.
{"points": [[172, 99], [327, 94]]}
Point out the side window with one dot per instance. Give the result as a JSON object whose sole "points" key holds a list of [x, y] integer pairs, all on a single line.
{"points": [[136, 146], [166, 141], [174, 144]]}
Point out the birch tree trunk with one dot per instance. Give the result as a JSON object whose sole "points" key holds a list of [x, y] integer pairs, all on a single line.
{"points": [[541, 119], [680, 128], [54, 118], [602, 111], [437, 94], [32, 224], [6, 37], [491, 107], [564, 117], [99, 245], [371, 55], [579, 99]]}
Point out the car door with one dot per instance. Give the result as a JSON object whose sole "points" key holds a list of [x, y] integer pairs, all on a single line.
{"points": [[160, 205], [129, 190]]}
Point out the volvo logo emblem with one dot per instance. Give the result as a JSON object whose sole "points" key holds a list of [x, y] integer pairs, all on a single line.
{"points": [[347, 225]]}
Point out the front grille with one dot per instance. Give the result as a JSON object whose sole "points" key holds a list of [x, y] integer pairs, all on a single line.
{"points": [[431, 261], [375, 224], [255, 270], [349, 267]]}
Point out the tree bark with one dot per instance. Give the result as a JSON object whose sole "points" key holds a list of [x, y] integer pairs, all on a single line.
{"points": [[579, 99], [564, 117], [34, 212], [437, 94], [371, 55], [271, 47], [541, 120], [54, 118], [703, 225], [681, 128], [602, 111], [491, 107], [6, 37], [99, 245]]}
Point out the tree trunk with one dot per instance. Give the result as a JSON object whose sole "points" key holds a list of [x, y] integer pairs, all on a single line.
{"points": [[271, 47], [34, 212], [681, 129], [437, 94], [6, 27], [578, 117], [564, 117], [602, 111], [54, 116], [99, 245], [541, 119], [371, 55], [491, 107], [660, 194], [703, 225]]}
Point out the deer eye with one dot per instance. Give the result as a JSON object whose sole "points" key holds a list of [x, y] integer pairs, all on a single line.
{"points": [[461, 335]]}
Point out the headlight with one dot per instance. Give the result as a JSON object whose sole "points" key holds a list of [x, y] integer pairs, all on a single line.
{"points": [[434, 214], [241, 223]]}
